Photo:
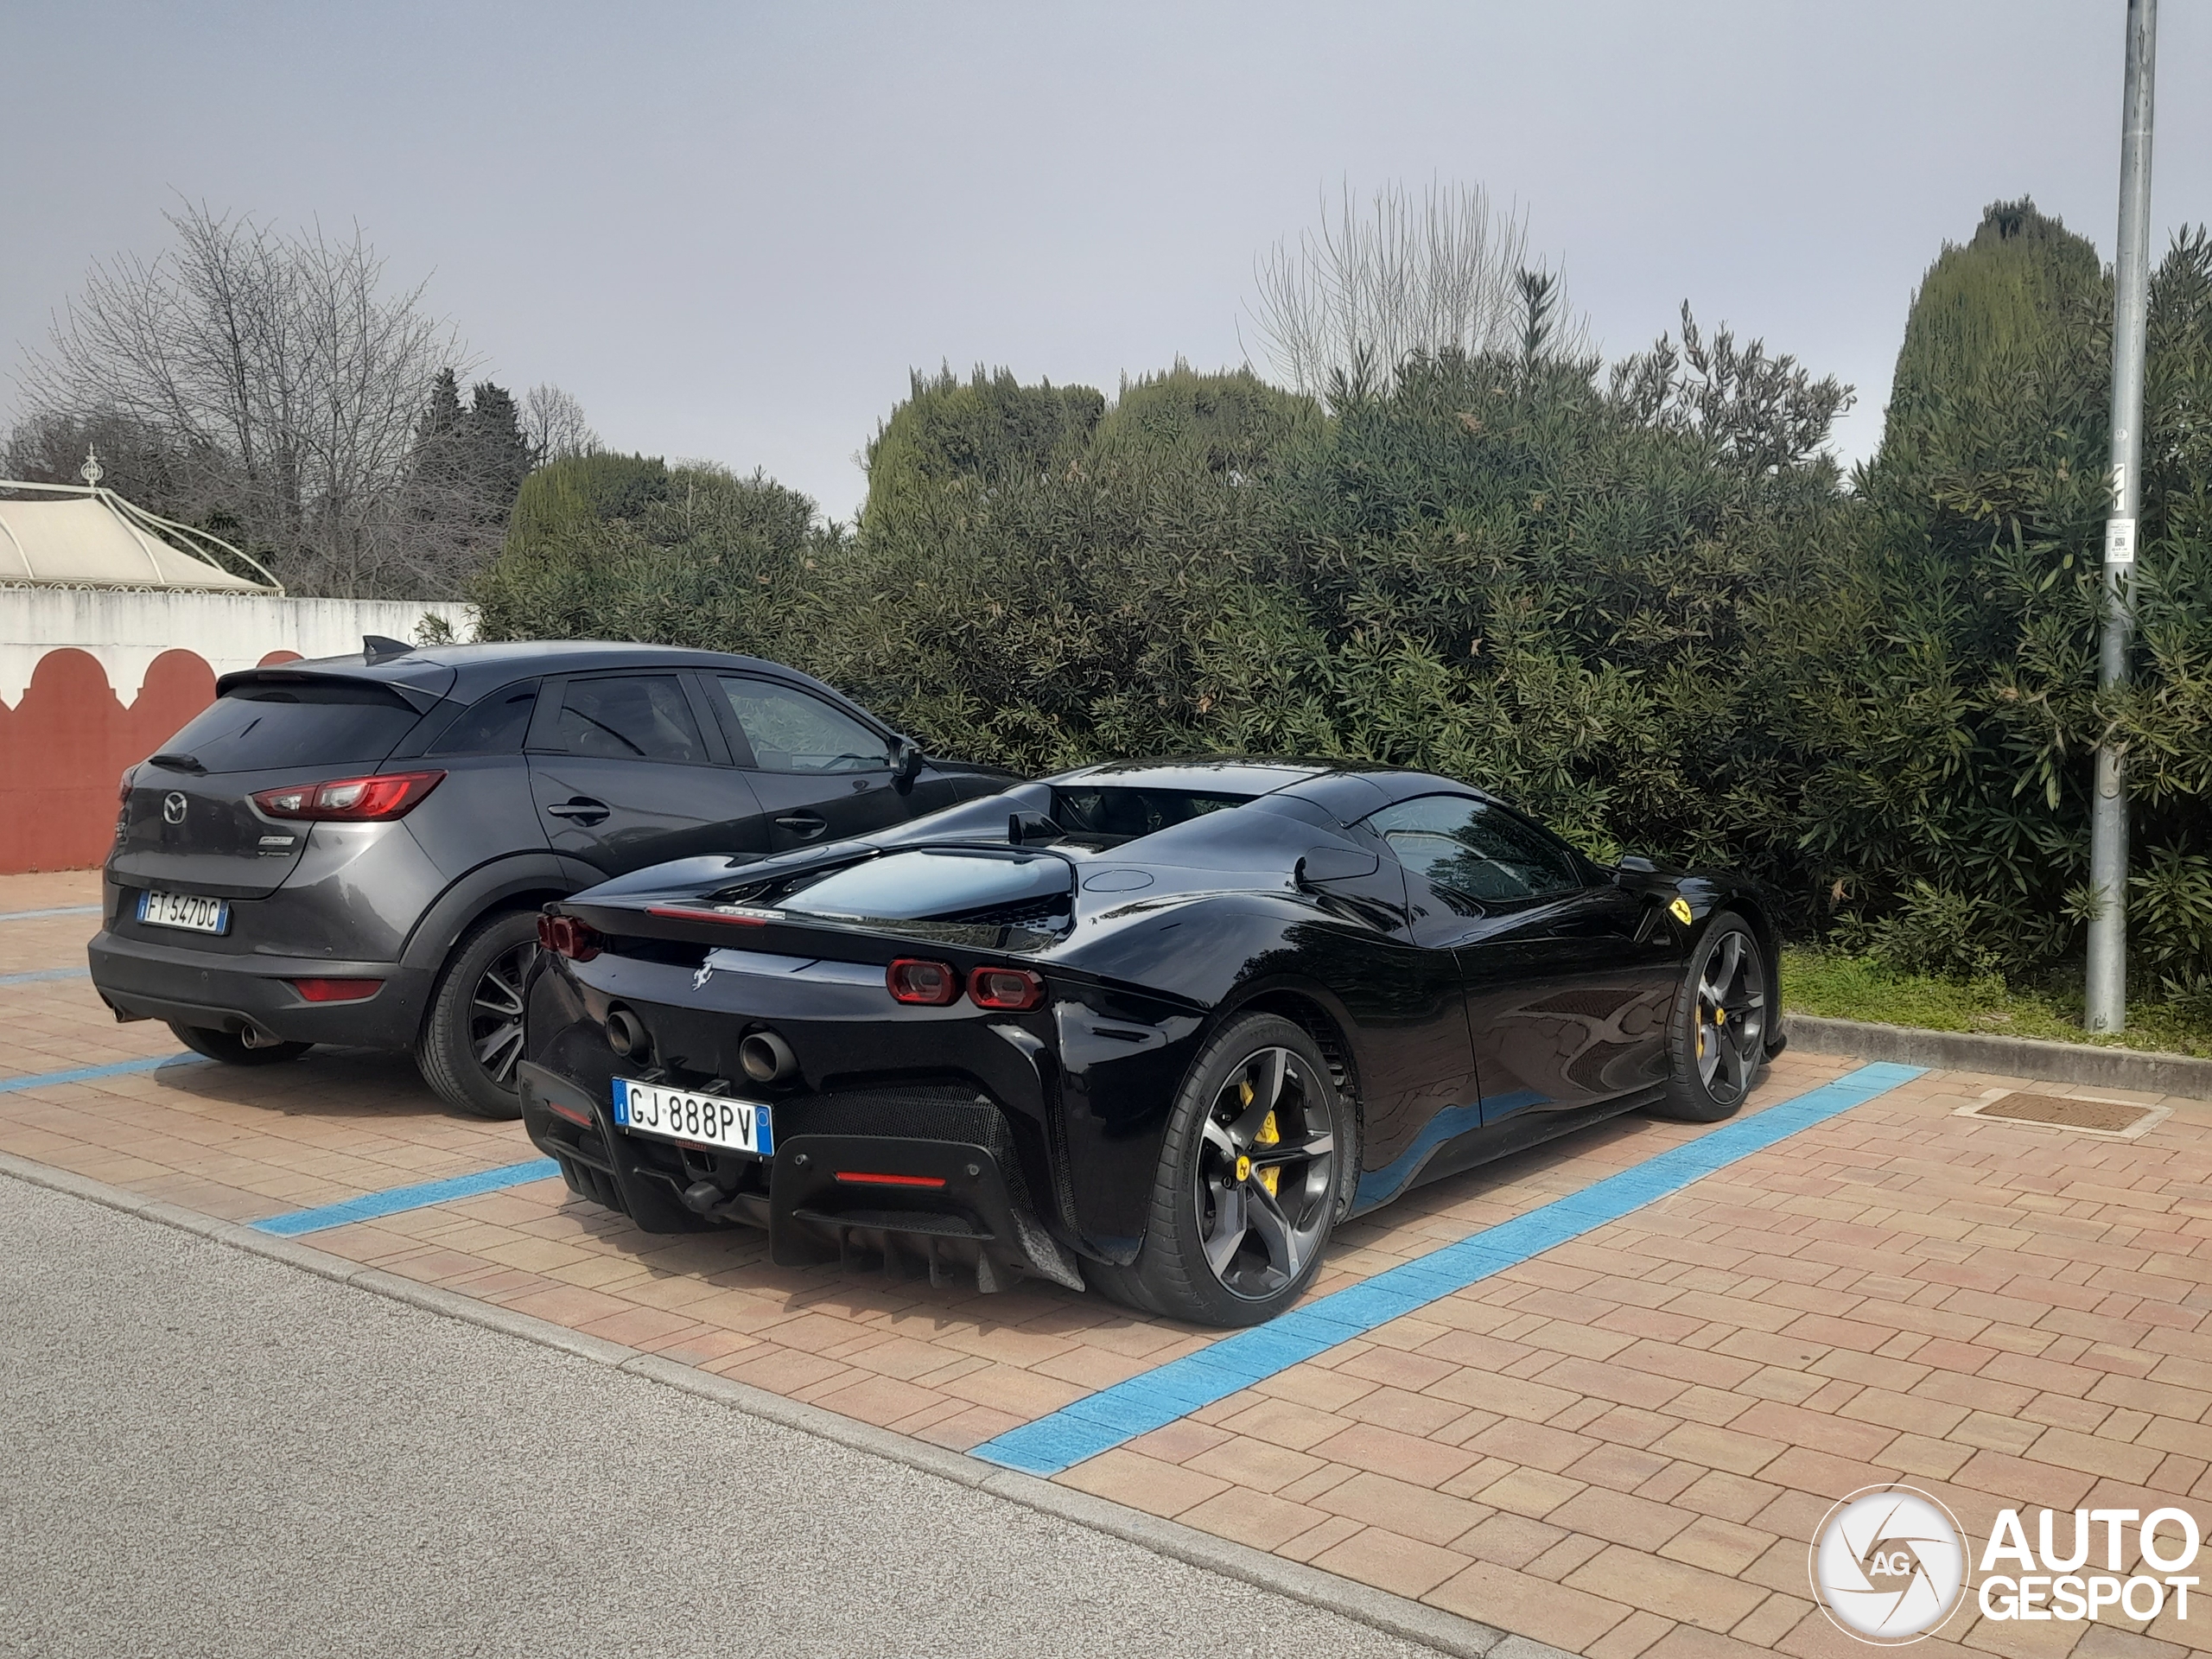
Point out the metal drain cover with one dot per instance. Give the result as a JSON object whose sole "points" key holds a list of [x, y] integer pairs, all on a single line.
{"points": [[2057, 1112]]}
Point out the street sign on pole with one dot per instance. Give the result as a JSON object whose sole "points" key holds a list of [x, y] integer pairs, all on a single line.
{"points": [[2105, 1004]]}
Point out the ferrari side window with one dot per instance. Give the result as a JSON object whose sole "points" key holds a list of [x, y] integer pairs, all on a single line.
{"points": [[1471, 849]]}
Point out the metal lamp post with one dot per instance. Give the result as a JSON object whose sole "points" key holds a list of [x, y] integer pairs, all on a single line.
{"points": [[2106, 1005]]}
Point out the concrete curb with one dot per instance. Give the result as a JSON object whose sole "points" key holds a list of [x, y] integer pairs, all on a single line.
{"points": [[1411, 1621], [2081, 1064]]}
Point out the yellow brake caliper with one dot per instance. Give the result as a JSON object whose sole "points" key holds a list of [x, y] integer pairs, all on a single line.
{"points": [[1268, 1136]]}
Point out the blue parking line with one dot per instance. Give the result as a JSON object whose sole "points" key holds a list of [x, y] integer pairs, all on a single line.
{"points": [[93, 1073], [58, 909], [37, 974], [1154, 1399], [390, 1202]]}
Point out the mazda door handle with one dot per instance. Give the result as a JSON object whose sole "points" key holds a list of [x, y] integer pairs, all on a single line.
{"points": [[582, 810], [805, 825]]}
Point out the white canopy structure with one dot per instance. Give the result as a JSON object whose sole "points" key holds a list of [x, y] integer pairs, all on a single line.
{"points": [[81, 536]]}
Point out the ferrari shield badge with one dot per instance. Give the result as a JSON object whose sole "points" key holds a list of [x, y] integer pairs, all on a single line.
{"points": [[1680, 910]]}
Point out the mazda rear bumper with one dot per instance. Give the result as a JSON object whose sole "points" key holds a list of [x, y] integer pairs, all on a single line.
{"points": [[140, 980]]}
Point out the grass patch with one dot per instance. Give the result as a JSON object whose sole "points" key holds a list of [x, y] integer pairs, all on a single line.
{"points": [[1831, 985]]}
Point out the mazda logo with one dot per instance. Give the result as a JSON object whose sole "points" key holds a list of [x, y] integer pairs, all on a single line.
{"points": [[173, 808]]}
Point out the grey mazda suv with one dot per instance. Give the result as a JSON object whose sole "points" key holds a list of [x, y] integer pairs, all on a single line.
{"points": [[353, 849]]}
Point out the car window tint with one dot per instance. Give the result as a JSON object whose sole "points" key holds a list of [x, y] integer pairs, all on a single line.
{"points": [[629, 717], [493, 725], [790, 731], [1474, 850], [295, 724]]}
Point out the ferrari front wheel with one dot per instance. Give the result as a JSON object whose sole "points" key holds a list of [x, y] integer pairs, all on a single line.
{"points": [[1717, 1039], [1247, 1191]]}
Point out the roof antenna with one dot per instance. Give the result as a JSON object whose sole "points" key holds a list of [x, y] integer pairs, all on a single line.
{"points": [[378, 648]]}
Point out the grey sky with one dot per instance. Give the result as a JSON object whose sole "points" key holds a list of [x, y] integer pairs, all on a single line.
{"points": [[731, 230]]}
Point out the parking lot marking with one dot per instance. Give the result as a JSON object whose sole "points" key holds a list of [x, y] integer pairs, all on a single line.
{"points": [[45, 973], [370, 1207], [58, 909], [1154, 1399], [93, 1073]]}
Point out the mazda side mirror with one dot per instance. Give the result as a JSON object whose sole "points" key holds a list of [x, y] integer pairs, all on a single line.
{"points": [[906, 760]]}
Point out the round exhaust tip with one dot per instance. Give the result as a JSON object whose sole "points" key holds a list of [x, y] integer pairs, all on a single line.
{"points": [[627, 1035], [766, 1058]]}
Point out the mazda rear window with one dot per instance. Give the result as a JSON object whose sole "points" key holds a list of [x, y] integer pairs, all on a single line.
{"points": [[254, 728], [494, 725]]}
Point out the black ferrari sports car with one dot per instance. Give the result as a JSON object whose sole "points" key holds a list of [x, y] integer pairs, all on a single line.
{"points": [[1153, 1027]]}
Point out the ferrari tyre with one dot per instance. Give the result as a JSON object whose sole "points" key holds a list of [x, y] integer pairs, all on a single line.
{"points": [[473, 1034], [231, 1048], [1717, 1037], [1250, 1182]]}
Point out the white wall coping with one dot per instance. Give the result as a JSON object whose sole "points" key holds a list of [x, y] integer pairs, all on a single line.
{"points": [[125, 629]]}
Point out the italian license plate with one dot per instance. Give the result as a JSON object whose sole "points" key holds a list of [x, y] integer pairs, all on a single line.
{"points": [[704, 1120], [184, 910]]}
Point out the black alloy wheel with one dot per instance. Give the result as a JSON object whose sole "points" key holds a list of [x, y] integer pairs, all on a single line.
{"points": [[1265, 1173], [473, 1036], [1717, 1040], [1249, 1184]]}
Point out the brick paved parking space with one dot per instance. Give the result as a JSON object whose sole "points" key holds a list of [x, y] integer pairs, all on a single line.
{"points": [[1620, 1446]]}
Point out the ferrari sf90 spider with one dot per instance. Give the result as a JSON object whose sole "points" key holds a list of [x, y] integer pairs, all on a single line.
{"points": [[1157, 1028]]}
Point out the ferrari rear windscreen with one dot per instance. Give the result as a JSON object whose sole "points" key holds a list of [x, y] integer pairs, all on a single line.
{"points": [[1120, 813], [939, 885]]}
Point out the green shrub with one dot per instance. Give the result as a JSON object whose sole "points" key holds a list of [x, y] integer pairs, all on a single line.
{"points": [[1642, 603]]}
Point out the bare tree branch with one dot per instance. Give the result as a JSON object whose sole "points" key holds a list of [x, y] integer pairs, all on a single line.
{"points": [[286, 380], [553, 425], [1386, 277]]}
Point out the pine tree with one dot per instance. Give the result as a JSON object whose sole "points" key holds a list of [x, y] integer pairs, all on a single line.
{"points": [[498, 454]]}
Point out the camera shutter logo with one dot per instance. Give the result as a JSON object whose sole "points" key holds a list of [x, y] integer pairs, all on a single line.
{"points": [[1889, 1564], [172, 805]]}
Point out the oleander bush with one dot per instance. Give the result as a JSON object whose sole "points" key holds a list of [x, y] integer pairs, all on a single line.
{"points": [[1638, 599]]}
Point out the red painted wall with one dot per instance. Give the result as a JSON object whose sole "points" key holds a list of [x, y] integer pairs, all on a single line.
{"points": [[63, 749]]}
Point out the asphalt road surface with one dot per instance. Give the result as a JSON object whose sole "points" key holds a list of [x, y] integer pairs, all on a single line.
{"points": [[202, 1453]]}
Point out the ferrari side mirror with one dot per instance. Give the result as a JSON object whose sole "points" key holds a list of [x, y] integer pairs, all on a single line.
{"points": [[1636, 864], [1327, 864]]}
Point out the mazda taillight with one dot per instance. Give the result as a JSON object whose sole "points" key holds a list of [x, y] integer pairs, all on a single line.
{"points": [[337, 990], [1011, 989], [564, 936], [914, 979], [351, 800]]}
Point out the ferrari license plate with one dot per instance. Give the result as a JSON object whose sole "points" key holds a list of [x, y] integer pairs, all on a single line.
{"points": [[704, 1120], [184, 910]]}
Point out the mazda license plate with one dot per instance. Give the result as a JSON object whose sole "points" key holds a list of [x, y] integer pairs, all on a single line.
{"points": [[184, 910], [704, 1120]]}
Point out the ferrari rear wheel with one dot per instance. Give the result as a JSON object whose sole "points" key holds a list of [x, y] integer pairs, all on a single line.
{"points": [[1717, 1039], [1247, 1192]]}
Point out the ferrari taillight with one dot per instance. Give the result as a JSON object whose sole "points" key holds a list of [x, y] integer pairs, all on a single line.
{"points": [[564, 936], [914, 979], [1009, 989], [351, 800]]}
